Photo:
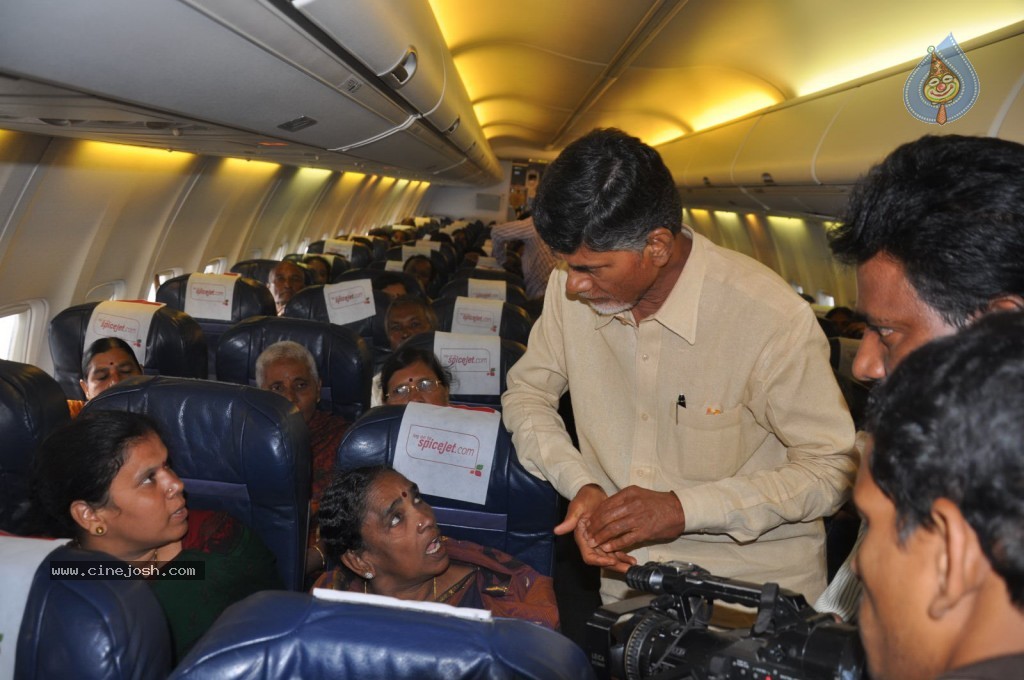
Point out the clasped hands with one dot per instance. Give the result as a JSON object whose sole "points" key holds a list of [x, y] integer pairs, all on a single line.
{"points": [[605, 527]]}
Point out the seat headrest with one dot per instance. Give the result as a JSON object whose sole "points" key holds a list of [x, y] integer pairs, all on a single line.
{"points": [[32, 405], [309, 303], [516, 324], [343, 359], [274, 634], [250, 297], [360, 256], [175, 346], [258, 269], [109, 629], [237, 448], [520, 511]]}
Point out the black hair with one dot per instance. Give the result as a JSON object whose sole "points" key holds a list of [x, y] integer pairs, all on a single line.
{"points": [[105, 345], [947, 424], [407, 356], [606, 191], [343, 508], [384, 279], [950, 209], [78, 462], [837, 311]]}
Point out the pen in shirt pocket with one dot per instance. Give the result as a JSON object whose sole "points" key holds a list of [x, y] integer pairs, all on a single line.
{"points": [[680, 403]]}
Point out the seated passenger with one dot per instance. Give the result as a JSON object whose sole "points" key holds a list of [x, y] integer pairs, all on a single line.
{"points": [[941, 496], [422, 269], [408, 316], [286, 279], [415, 374], [104, 481], [321, 268], [105, 363], [384, 539], [288, 369]]}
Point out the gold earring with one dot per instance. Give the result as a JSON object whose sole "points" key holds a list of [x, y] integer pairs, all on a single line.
{"points": [[100, 531]]}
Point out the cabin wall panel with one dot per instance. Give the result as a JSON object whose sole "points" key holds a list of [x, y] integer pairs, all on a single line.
{"points": [[460, 203]]}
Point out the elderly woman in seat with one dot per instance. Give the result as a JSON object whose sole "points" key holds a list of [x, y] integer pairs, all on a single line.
{"points": [[287, 368], [104, 480], [383, 536]]}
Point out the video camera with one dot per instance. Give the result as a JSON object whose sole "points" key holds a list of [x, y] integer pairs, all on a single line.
{"points": [[667, 636]]}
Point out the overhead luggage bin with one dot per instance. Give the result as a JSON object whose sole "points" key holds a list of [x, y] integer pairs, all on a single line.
{"points": [[712, 161]]}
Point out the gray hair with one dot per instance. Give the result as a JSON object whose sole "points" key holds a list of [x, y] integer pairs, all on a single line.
{"points": [[286, 349]]}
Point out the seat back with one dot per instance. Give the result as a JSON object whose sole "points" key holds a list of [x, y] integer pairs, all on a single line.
{"points": [[520, 510], [238, 449], [106, 629], [515, 322], [510, 353], [271, 634], [258, 269], [175, 346], [360, 257], [309, 303], [338, 265], [411, 286], [249, 298], [343, 359], [514, 295], [32, 405]]}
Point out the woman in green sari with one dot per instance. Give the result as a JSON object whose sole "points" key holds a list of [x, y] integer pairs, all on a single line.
{"points": [[104, 481]]}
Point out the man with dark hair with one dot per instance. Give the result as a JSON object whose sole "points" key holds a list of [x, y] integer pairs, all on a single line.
{"points": [[942, 495], [936, 232], [710, 426]]}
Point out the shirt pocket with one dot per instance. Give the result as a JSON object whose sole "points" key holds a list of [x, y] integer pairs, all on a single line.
{"points": [[708, 447]]}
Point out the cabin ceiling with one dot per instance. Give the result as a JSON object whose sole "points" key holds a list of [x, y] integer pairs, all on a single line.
{"points": [[541, 73], [300, 82]]}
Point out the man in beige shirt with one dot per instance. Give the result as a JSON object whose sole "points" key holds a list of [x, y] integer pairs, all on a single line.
{"points": [[710, 426]]}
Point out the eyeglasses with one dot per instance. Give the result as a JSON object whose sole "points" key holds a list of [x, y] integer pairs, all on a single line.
{"points": [[425, 385]]}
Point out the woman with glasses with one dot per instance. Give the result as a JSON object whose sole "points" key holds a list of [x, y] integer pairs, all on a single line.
{"points": [[414, 374]]}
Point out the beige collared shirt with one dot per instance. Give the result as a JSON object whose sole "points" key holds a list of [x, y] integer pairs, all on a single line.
{"points": [[762, 448]]}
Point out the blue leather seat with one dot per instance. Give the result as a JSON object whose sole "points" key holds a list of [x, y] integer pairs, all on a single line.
{"points": [[511, 352], [309, 303], [343, 360], [515, 322], [175, 346], [32, 405], [238, 449], [290, 635], [520, 512], [250, 298], [110, 629]]}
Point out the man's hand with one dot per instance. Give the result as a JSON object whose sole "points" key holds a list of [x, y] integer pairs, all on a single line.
{"points": [[587, 499], [634, 516]]}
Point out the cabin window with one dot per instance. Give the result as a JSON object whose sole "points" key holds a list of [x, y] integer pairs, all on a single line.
{"points": [[281, 251], [797, 287], [111, 290], [256, 254], [159, 278], [217, 265], [16, 329], [303, 244], [826, 299]]}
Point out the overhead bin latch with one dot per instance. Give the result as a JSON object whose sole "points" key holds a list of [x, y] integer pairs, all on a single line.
{"points": [[403, 72]]}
